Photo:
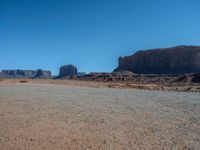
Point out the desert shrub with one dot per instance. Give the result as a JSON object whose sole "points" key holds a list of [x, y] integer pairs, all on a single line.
{"points": [[23, 81]]}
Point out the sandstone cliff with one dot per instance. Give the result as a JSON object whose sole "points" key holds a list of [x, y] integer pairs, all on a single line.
{"points": [[175, 60]]}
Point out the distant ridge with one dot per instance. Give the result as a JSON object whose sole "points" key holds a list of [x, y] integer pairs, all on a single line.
{"points": [[25, 73]]}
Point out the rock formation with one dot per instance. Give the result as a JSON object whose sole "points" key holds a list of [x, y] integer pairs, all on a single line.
{"points": [[175, 60], [25, 73], [81, 74], [129, 77], [67, 70], [42, 74]]}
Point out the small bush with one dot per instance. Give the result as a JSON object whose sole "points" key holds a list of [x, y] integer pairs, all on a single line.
{"points": [[23, 81]]}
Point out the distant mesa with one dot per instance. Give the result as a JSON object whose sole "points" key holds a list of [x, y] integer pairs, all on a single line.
{"points": [[68, 70], [43, 74], [175, 60], [25, 73]]}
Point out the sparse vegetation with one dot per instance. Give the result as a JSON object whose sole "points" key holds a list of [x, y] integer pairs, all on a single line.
{"points": [[23, 81]]}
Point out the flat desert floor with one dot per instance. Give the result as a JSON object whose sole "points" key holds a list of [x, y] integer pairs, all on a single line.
{"points": [[37, 116]]}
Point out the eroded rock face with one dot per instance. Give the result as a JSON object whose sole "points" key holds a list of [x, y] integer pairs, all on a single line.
{"points": [[175, 60], [68, 70], [26, 73]]}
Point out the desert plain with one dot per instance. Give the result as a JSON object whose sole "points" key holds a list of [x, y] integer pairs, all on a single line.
{"points": [[52, 116]]}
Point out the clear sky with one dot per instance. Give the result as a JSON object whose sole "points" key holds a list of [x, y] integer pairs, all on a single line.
{"points": [[91, 34]]}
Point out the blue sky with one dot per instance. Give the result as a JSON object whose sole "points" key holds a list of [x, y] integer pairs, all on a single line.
{"points": [[91, 34]]}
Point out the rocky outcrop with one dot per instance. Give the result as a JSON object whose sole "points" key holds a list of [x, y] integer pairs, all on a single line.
{"points": [[81, 74], [175, 60], [25, 73], [67, 70], [128, 77]]}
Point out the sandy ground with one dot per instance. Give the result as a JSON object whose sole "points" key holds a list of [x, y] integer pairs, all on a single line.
{"points": [[59, 117]]}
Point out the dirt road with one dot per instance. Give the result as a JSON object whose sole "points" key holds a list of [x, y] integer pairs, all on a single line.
{"points": [[60, 117]]}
